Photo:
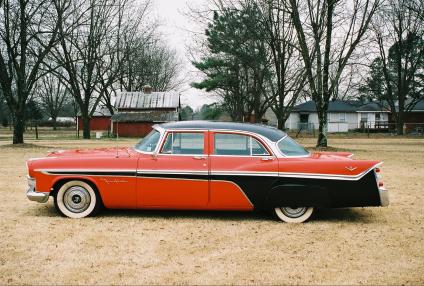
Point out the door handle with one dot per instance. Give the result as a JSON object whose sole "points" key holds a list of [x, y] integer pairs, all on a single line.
{"points": [[267, 158], [199, 158]]}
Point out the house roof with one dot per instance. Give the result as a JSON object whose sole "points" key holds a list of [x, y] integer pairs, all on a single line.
{"points": [[145, 116], [419, 107], [373, 107], [333, 106], [153, 100], [269, 132]]}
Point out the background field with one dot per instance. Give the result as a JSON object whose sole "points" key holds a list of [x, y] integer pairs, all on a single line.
{"points": [[346, 246]]}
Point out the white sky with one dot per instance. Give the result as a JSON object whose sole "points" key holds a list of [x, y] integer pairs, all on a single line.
{"points": [[175, 28]]}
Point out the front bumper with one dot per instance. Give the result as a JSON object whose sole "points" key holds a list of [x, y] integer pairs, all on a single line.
{"points": [[384, 197], [35, 196]]}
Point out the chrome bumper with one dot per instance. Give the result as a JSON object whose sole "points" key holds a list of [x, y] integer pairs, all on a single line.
{"points": [[384, 197], [35, 196]]}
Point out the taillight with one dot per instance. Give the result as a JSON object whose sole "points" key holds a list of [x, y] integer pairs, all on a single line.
{"points": [[378, 177]]}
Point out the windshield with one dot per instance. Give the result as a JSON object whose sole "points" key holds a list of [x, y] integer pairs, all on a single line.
{"points": [[289, 147], [148, 143]]}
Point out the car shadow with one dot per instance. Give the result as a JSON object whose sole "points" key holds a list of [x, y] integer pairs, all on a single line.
{"points": [[187, 214], [345, 215]]}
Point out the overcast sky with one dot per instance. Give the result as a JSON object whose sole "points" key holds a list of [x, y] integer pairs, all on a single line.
{"points": [[175, 28]]}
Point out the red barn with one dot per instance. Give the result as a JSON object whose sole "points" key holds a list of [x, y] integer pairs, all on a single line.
{"points": [[100, 121], [137, 112]]}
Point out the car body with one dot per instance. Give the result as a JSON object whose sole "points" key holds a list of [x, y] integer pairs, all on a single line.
{"points": [[205, 165]]}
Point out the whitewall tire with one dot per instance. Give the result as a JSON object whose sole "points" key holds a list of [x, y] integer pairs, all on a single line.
{"points": [[294, 215], [77, 199]]}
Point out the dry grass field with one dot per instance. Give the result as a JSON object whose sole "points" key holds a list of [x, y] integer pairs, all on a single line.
{"points": [[345, 246]]}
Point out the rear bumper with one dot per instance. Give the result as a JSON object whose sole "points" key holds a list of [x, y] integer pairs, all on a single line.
{"points": [[35, 196], [384, 197]]}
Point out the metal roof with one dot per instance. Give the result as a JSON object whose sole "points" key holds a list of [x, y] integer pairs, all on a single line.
{"points": [[269, 132], [153, 100], [146, 116]]}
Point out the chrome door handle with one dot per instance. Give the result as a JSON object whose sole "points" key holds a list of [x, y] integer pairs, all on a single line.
{"points": [[267, 158], [199, 158]]}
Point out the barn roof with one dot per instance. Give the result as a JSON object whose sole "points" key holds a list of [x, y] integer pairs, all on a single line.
{"points": [[146, 116], [152, 100]]}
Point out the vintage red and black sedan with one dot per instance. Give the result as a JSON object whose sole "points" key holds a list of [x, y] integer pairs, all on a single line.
{"points": [[203, 165]]}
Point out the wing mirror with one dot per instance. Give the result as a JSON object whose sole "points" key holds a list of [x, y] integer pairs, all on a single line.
{"points": [[155, 155]]}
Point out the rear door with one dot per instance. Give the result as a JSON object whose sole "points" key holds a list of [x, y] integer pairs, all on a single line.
{"points": [[177, 177], [242, 170]]}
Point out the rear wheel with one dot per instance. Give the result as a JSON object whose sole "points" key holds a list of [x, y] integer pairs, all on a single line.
{"points": [[77, 199], [294, 214]]}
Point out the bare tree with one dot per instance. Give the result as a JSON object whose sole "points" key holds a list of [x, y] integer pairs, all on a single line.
{"points": [[28, 32], [288, 77], [53, 95], [399, 32], [82, 52], [332, 31]]}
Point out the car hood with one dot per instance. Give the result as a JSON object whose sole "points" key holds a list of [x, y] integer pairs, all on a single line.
{"points": [[98, 152]]}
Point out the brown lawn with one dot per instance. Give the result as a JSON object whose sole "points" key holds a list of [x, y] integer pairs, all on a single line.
{"points": [[346, 246]]}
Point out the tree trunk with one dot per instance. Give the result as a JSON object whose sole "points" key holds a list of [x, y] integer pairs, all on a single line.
{"points": [[54, 122], [322, 130], [18, 128], [399, 122], [85, 126], [281, 121]]}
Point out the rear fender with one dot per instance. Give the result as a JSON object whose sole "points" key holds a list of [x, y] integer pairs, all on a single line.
{"points": [[298, 195]]}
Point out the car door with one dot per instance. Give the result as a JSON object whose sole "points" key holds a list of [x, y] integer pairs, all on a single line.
{"points": [[177, 176], [242, 168]]}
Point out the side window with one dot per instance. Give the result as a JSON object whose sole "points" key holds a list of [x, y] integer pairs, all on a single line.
{"points": [[258, 149], [237, 144], [183, 143]]}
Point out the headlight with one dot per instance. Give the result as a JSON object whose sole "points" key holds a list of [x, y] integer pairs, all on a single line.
{"points": [[31, 182]]}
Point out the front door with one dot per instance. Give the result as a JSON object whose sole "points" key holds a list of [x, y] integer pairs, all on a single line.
{"points": [[177, 177]]}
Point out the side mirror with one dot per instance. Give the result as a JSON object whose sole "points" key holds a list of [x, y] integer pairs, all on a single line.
{"points": [[155, 155]]}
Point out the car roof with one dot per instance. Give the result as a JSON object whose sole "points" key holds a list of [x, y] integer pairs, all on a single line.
{"points": [[269, 132]]}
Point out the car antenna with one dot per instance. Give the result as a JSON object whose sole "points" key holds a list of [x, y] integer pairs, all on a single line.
{"points": [[117, 133]]}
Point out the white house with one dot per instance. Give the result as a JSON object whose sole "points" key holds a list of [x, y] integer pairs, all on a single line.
{"points": [[373, 115], [342, 116]]}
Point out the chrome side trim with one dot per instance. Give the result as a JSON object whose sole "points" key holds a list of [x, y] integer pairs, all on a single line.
{"points": [[173, 172], [121, 173]]}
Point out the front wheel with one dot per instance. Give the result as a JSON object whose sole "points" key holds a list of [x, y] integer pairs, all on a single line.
{"points": [[77, 199], [294, 215]]}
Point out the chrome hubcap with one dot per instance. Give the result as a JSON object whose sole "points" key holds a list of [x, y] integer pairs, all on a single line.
{"points": [[293, 212], [76, 199]]}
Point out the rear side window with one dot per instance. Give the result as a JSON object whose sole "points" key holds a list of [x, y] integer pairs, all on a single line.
{"points": [[184, 143], [238, 145]]}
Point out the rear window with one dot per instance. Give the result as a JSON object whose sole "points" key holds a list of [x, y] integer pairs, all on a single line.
{"points": [[289, 147]]}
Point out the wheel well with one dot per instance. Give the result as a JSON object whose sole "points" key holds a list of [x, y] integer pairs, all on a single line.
{"points": [[61, 182]]}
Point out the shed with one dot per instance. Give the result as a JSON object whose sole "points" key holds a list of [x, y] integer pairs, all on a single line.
{"points": [[139, 111]]}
